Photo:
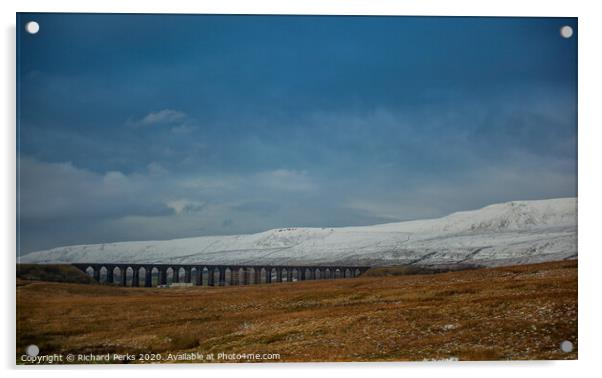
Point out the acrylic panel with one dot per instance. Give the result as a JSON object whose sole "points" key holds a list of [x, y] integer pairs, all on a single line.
{"points": [[261, 188]]}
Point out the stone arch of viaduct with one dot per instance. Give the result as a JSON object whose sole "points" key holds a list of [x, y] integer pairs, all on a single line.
{"points": [[149, 275]]}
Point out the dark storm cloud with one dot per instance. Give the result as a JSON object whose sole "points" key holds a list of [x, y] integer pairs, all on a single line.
{"points": [[153, 127]]}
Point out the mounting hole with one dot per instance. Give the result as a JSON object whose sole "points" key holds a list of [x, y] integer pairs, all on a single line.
{"points": [[566, 31], [566, 346], [32, 350], [32, 27]]}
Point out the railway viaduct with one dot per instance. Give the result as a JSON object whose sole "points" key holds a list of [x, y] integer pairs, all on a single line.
{"points": [[149, 275]]}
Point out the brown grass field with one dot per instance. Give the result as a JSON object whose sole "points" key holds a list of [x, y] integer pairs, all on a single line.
{"points": [[520, 312]]}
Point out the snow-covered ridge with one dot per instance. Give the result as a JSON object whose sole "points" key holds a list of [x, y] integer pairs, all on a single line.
{"points": [[508, 233]]}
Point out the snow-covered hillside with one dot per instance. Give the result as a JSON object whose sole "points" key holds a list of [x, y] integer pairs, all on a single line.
{"points": [[509, 233]]}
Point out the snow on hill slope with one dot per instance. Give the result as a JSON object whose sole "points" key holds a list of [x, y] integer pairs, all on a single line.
{"points": [[515, 232]]}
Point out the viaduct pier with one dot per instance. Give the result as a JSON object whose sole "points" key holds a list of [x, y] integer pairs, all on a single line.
{"points": [[149, 275]]}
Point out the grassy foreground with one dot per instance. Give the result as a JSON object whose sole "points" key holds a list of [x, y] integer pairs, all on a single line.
{"points": [[521, 312]]}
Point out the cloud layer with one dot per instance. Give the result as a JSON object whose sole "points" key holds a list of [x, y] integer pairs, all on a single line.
{"points": [[200, 125]]}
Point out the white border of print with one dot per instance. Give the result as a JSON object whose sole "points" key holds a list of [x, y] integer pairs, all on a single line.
{"points": [[590, 188]]}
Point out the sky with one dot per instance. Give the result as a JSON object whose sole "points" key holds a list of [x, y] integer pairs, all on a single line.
{"points": [[153, 127]]}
